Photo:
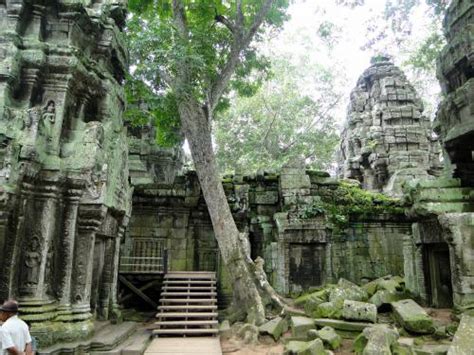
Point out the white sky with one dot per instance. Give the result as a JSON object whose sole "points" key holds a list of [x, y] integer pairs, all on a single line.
{"points": [[299, 37]]}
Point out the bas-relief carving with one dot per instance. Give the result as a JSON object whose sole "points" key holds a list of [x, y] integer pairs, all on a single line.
{"points": [[40, 89], [32, 263]]}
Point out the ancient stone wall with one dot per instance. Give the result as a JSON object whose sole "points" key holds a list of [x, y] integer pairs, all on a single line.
{"points": [[387, 140], [439, 259], [63, 156], [299, 251]]}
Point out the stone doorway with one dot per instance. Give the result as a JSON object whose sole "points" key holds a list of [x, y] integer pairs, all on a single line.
{"points": [[306, 265], [438, 275]]}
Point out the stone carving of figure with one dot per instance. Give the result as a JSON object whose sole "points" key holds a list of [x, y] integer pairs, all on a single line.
{"points": [[47, 124], [32, 262]]}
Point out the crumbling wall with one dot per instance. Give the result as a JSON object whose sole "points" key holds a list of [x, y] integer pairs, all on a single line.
{"points": [[65, 196], [448, 202], [301, 247]]}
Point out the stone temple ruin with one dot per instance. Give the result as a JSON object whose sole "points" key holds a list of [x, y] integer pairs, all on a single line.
{"points": [[387, 139], [85, 200]]}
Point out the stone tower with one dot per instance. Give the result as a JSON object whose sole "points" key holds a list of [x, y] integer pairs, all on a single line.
{"points": [[65, 195], [454, 122], [386, 139]]}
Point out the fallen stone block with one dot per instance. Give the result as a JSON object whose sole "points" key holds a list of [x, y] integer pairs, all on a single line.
{"points": [[412, 317], [362, 311], [329, 337], [429, 349], [376, 340], [385, 298], [404, 346], [300, 326], [327, 310], [313, 347], [275, 327], [346, 290], [463, 342], [342, 324]]}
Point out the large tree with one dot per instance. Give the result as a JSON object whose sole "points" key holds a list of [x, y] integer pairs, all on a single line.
{"points": [[291, 117], [190, 52]]}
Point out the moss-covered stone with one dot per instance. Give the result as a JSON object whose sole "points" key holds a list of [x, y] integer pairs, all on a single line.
{"points": [[329, 337], [412, 317], [300, 326], [314, 347], [327, 310], [275, 327]]}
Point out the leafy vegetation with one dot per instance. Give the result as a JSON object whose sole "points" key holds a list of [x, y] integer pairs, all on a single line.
{"points": [[350, 201], [280, 123]]}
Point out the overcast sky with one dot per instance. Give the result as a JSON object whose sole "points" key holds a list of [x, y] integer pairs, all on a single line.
{"points": [[348, 57]]}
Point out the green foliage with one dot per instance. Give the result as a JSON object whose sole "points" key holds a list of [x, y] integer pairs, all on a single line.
{"points": [[424, 58], [145, 107], [159, 50], [350, 201], [281, 122]]}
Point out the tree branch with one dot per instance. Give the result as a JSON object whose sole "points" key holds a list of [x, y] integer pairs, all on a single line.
{"points": [[179, 20], [165, 77], [226, 22], [240, 42]]}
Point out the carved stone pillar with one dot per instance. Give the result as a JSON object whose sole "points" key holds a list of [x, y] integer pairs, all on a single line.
{"points": [[40, 226], [90, 219], [66, 250], [114, 312]]}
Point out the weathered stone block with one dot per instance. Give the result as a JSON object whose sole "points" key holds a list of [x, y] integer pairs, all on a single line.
{"points": [[329, 337], [412, 317], [275, 327], [300, 326], [463, 342], [384, 297], [432, 349], [354, 310], [376, 340], [342, 324], [314, 347], [346, 290], [327, 310], [265, 197]]}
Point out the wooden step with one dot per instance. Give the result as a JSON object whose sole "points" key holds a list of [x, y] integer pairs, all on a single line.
{"points": [[190, 282], [186, 315], [189, 288], [188, 294], [190, 300], [185, 323], [186, 307], [185, 331], [190, 277]]}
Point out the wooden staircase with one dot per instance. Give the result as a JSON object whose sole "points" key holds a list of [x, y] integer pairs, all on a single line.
{"points": [[188, 305]]}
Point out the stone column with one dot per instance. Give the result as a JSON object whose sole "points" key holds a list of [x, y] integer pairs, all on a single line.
{"points": [[458, 231], [113, 311], [89, 221], [37, 246], [66, 250]]}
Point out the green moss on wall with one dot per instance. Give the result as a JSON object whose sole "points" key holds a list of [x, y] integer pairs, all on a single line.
{"points": [[349, 201]]}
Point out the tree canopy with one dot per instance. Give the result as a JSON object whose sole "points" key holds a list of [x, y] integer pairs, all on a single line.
{"points": [[280, 122]]}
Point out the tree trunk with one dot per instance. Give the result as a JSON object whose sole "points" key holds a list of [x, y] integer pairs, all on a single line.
{"points": [[198, 132]]}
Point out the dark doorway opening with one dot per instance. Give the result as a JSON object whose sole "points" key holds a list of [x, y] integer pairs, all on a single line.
{"points": [[306, 265], [438, 275]]}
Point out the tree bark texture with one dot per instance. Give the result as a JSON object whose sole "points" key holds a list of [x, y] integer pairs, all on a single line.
{"points": [[198, 132]]}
